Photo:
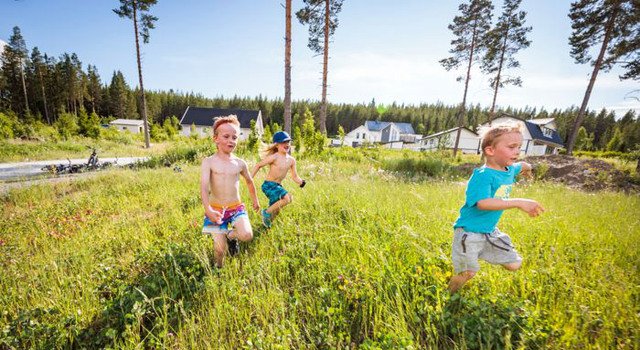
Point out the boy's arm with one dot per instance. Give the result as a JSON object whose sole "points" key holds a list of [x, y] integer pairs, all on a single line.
{"points": [[529, 206], [294, 174], [250, 185], [526, 170], [205, 176], [266, 161]]}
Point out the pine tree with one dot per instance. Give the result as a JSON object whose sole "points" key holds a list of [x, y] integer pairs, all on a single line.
{"points": [[613, 25], [470, 29], [130, 9], [322, 23], [507, 38], [287, 68]]}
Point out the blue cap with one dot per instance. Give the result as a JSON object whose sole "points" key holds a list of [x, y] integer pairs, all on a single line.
{"points": [[281, 136]]}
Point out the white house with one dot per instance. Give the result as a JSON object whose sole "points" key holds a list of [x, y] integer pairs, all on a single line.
{"points": [[202, 119], [539, 135], [469, 141], [135, 126], [381, 132]]}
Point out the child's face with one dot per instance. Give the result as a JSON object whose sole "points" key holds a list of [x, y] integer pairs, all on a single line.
{"points": [[226, 137], [505, 150], [284, 147]]}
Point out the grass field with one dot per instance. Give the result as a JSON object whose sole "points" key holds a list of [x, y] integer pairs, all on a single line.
{"points": [[360, 259]]}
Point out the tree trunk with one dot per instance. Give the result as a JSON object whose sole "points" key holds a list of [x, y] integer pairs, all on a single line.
{"points": [[144, 100], [24, 88], [464, 97], [497, 82], [323, 108], [592, 81], [287, 70], [44, 96]]}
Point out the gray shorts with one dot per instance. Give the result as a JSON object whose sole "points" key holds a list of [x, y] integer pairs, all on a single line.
{"points": [[494, 247]]}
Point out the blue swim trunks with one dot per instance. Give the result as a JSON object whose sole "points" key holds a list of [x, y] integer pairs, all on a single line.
{"points": [[274, 191], [230, 214]]}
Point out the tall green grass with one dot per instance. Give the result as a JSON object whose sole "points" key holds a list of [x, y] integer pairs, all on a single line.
{"points": [[359, 259]]}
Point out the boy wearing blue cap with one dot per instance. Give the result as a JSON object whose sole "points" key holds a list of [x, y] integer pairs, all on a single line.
{"points": [[279, 161]]}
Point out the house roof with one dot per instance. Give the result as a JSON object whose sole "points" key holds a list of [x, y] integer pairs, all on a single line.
{"points": [[372, 125], [536, 131], [127, 122], [541, 121], [448, 131], [203, 116]]}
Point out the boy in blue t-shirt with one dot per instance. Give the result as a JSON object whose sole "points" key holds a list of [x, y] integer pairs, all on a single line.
{"points": [[475, 234]]}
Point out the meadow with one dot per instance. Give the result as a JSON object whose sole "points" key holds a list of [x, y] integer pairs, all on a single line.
{"points": [[361, 259]]}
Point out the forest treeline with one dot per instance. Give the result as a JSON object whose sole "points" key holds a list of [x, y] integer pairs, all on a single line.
{"points": [[39, 88]]}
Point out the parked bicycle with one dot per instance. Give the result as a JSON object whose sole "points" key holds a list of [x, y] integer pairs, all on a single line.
{"points": [[92, 164]]}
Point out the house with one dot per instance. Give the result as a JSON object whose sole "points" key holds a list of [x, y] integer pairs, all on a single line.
{"points": [[134, 126], [539, 135], [381, 132], [469, 141], [202, 118]]}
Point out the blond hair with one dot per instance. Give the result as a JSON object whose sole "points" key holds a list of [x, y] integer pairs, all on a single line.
{"points": [[269, 150], [489, 134], [230, 119]]}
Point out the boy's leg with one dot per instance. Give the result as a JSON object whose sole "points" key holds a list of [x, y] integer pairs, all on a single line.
{"points": [[241, 229], [512, 266], [275, 207], [220, 247], [457, 281]]}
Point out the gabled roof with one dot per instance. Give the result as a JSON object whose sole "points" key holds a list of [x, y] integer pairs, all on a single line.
{"points": [[536, 131], [372, 125], [127, 122], [204, 116], [541, 121], [448, 131]]}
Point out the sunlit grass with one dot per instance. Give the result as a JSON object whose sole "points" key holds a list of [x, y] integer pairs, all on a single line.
{"points": [[361, 257]]}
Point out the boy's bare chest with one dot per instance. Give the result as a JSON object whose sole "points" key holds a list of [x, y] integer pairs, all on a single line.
{"points": [[282, 163], [231, 168]]}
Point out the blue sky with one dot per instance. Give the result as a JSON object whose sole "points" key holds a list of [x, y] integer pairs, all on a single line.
{"points": [[383, 50]]}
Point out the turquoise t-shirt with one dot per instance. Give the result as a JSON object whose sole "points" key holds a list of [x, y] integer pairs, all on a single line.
{"points": [[485, 183]]}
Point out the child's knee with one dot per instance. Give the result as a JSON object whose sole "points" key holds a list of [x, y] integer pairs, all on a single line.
{"points": [[512, 266], [245, 234]]}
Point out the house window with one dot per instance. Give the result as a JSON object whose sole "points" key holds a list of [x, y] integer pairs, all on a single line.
{"points": [[364, 135], [547, 132], [357, 135], [124, 128]]}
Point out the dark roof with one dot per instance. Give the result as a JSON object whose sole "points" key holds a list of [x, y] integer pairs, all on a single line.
{"points": [[372, 125], [204, 116], [537, 133]]}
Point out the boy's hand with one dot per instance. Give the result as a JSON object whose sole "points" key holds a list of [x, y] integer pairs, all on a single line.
{"points": [[526, 170], [215, 216], [303, 183], [530, 207], [256, 206]]}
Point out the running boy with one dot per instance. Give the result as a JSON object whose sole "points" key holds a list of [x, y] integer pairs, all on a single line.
{"points": [[225, 215], [475, 234], [279, 161]]}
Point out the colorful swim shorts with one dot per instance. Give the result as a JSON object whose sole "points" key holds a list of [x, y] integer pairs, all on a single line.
{"points": [[274, 191], [230, 213]]}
